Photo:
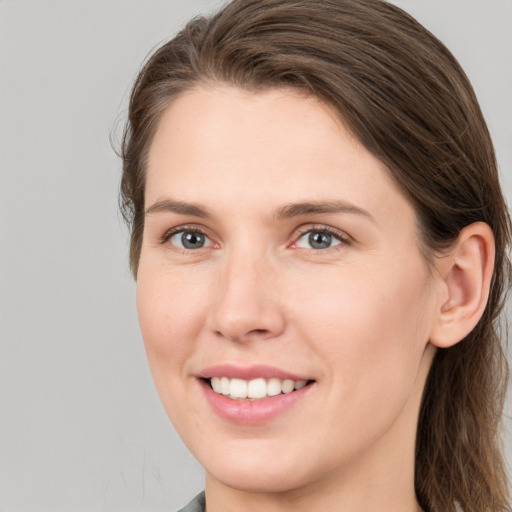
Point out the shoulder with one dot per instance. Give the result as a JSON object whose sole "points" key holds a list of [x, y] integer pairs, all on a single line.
{"points": [[196, 505]]}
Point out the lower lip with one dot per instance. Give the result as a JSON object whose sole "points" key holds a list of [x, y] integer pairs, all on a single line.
{"points": [[252, 412]]}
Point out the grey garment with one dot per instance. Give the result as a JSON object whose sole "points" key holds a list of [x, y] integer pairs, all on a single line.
{"points": [[198, 504]]}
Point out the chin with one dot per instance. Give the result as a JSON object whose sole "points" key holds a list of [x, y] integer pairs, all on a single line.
{"points": [[259, 470], [268, 480]]}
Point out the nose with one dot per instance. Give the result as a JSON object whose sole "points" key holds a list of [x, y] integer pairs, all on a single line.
{"points": [[246, 304]]}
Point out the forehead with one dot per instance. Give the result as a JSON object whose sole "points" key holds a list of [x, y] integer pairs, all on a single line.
{"points": [[232, 147]]}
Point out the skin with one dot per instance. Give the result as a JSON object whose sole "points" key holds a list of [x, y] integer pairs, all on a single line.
{"points": [[356, 316]]}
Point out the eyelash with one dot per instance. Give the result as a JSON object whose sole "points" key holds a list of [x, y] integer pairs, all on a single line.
{"points": [[343, 238], [183, 229]]}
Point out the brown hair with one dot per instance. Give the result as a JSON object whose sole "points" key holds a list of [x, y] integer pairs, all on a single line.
{"points": [[405, 97]]}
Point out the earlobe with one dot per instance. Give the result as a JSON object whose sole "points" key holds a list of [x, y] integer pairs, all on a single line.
{"points": [[466, 274]]}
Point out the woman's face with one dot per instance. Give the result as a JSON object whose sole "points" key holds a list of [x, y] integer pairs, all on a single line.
{"points": [[278, 254]]}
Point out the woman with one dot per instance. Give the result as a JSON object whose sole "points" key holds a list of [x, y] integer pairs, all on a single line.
{"points": [[319, 241]]}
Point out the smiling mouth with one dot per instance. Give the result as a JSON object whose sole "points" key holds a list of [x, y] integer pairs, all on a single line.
{"points": [[254, 389]]}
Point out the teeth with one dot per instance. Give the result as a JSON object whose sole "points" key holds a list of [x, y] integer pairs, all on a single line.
{"points": [[216, 385], [256, 388], [224, 386], [274, 387], [300, 384], [238, 388], [288, 386]]}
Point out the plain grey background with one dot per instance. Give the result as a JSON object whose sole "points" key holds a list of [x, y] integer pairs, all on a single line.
{"points": [[82, 428]]}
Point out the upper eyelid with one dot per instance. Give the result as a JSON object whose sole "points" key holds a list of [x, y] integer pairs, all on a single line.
{"points": [[296, 234], [322, 228], [185, 227]]}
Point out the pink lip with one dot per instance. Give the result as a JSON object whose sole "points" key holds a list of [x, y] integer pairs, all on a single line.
{"points": [[247, 412], [248, 373]]}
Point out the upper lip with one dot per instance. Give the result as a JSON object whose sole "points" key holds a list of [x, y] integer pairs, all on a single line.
{"points": [[249, 372]]}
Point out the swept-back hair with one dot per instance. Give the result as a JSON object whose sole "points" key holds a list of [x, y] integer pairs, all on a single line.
{"points": [[406, 99]]}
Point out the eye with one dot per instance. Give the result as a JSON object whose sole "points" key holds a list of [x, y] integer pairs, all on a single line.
{"points": [[189, 239], [319, 239]]}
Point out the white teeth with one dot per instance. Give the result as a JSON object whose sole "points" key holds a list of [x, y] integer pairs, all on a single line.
{"points": [[287, 386], [274, 387], [255, 388], [224, 386], [216, 384], [238, 388]]}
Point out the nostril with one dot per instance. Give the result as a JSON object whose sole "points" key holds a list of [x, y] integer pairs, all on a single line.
{"points": [[254, 333]]}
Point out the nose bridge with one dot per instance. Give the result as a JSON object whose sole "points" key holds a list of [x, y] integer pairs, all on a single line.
{"points": [[246, 301]]}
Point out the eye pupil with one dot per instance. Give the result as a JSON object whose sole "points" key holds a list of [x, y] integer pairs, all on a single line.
{"points": [[320, 240], [192, 240]]}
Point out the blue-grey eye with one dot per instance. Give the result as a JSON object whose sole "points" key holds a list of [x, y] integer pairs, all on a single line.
{"points": [[190, 240], [315, 239]]}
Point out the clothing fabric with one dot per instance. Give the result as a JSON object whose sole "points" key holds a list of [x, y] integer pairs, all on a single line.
{"points": [[198, 504]]}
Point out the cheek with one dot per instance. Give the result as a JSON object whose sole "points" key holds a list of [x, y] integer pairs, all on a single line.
{"points": [[371, 330], [169, 317], [371, 325]]}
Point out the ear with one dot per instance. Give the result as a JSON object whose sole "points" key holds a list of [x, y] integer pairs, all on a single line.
{"points": [[465, 278]]}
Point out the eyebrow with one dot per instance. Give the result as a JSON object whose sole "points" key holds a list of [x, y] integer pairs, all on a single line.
{"points": [[320, 207], [179, 207], [287, 211]]}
